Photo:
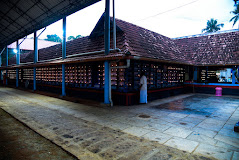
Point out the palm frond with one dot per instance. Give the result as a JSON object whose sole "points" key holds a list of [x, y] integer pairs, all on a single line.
{"points": [[220, 25], [232, 18], [236, 13], [235, 20]]}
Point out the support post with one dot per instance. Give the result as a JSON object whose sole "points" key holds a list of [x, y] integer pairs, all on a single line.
{"points": [[106, 85], [35, 47], [206, 80], [114, 26], [195, 74], [0, 66], [237, 75], [6, 64], [18, 53], [63, 57], [233, 75], [35, 60], [107, 51], [63, 81], [17, 62], [17, 77], [0, 60]]}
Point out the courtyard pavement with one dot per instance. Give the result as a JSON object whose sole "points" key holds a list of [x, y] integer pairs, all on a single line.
{"points": [[195, 123]]}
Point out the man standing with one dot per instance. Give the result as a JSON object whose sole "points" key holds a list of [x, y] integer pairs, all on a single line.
{"points": [[143, 88]]}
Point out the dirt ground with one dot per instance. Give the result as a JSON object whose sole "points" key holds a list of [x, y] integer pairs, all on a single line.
{"points": [[18, 142]]}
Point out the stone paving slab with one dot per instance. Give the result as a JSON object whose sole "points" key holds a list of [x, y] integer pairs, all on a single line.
{"points": [[183, 124], [217, 152], [226, 146], [204, 131], [229, 140], [136, 131], [183, 144], [235, 156], [157, 136], [64, 122], [157, 127], [201, 138], [178, 132], [229, 133], [193, 120]]}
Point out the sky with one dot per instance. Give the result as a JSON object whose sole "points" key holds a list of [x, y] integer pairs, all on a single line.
{"points": [[171, 18]]}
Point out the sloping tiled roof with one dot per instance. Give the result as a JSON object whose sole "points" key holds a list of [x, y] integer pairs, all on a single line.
{"points": [[138, 41], [77, 46], [216, 49], [148, 44]]}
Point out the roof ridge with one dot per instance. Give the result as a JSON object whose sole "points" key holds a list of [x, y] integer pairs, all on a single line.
{"points": [[140, 27], [207, 34]]}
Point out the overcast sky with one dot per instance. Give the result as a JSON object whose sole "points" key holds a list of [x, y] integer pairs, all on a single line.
{"points": [[172, 18]]}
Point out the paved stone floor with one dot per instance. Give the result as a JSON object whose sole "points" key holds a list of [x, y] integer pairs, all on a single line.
{"points": [[194, 123]]}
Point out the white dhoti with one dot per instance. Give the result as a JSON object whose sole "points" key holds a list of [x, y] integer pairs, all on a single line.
{"points": [[143, 96]]}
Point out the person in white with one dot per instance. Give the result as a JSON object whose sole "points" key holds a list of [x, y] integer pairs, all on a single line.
{"points": [[143, 88]]}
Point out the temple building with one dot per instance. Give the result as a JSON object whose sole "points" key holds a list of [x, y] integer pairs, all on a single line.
{"points": [[198, 63]]}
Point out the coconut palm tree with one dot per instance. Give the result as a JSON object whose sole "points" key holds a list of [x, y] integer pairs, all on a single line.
{"points": [[236, 15], [212, 26]]}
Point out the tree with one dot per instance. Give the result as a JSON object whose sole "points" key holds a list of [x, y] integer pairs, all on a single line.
{"points": [[212, 26], [54, 38], [78, 36], [236, 14], [72, 37]]}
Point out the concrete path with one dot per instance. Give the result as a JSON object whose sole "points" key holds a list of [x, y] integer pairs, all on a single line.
{"points": [[197, 124]]}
